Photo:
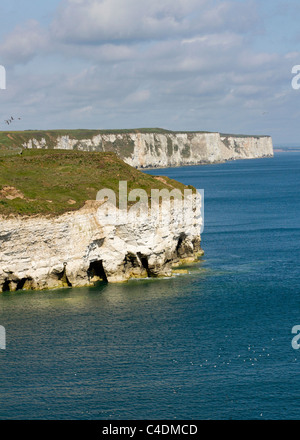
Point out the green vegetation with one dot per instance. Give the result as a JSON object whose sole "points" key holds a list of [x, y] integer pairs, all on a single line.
{"points": [[123, 147], [186, 151], [56, 181], [11, 140], [169, 147]]}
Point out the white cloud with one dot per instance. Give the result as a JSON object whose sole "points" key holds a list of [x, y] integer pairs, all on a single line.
{"points": [[99, 21], [138, 96], [23, 43], [96, 21], [180, 64]]}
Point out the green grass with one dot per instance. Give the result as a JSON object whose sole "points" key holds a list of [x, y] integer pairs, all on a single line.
{"points": [[49, 179], [15, 139]]}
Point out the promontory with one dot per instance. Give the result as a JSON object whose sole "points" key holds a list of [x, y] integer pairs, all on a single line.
{"points": [[56, 232]]}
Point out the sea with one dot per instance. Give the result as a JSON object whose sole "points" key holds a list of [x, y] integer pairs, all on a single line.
{"points": [[213, 344]]}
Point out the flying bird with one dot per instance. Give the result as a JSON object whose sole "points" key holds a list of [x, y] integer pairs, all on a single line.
{"points": [[9, 121]]}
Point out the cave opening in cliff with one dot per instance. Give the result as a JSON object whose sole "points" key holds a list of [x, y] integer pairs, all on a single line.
{"points": [[21, 283], [145, 264], [6, 286], [182, 237], [62, 276], [131, 260], [96, 269]]}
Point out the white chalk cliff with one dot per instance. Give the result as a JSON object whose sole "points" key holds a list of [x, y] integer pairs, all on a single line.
{"points": [[143, 150], [82, 247]]}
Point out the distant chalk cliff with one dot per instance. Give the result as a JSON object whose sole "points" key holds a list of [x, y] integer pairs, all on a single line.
{"points": [[142, 149]]}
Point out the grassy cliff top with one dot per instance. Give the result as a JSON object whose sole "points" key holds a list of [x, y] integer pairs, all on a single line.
{"points": [[56, 181], [15, 139]]}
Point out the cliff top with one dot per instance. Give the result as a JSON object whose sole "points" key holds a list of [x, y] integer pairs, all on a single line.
{"points": [[11, 141], [57, 181]]}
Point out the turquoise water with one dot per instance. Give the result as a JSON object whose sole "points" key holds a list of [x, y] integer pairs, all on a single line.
{"points": [[215, 344]]}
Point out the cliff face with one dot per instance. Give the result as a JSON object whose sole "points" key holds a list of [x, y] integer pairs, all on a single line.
{"points": [[81, 247], [142, 150]]}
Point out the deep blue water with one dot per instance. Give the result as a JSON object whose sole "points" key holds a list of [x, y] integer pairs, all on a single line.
{"points": [[215, 344]]}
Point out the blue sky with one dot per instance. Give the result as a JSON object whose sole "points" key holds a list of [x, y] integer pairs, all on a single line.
{"points": [[212, 65]]}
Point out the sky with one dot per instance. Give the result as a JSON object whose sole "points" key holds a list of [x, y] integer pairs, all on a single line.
{"points": [[207, 65]]}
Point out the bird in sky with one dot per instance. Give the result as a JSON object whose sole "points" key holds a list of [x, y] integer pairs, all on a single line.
{"points": [[9, 121]]}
